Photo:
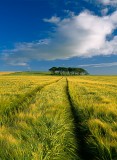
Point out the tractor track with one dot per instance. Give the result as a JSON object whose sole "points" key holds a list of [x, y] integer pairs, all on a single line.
{"points": [[80, 134], [23, 103]]}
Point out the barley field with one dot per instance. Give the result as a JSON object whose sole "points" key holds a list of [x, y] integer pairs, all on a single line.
{"points": [[58, 118], [5, 73]]}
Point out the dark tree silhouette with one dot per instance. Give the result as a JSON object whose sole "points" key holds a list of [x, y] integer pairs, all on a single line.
{"points": [[53, 70], [68, 71]]}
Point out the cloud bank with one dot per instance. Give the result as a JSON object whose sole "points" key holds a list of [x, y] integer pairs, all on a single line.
{"points": [[112, 3], [108, 2], [99, 65], [83, 35]]}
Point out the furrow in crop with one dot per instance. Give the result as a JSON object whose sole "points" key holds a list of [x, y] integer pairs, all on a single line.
{"points": [[80, 133], [96, 109], [22, 103], [44, 131]]}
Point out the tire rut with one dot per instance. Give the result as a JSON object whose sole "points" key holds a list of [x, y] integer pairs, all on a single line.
{"points": [[79, 132], [23, 103]]}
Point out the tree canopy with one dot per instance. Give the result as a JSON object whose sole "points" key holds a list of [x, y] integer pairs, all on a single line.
{"points": [[68, 71]]}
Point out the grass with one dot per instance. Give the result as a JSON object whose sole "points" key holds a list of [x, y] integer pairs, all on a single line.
{"points": [[29, 73], [49, 118], [5, 73], [95, 101], [44, 130], [13, 99]]}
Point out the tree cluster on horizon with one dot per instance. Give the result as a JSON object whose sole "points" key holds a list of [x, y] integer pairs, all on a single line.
{"points": [[68, 71]]}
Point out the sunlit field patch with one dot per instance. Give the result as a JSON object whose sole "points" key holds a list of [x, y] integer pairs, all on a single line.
{"points": [[58, 118], [5, 73], [95, 101]]}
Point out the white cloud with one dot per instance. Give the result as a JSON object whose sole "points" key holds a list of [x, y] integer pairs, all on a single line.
{"points": [[99, 65], [82, 35], [53, 19], [18, 64], [108, 2], [104, 11], [69, 13]]}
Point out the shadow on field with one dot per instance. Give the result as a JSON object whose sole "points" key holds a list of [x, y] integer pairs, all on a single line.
{"points": [[80, 132]]}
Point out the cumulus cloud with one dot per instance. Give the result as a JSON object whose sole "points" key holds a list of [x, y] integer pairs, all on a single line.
{"points": [[82, 35], [53, 19], [108, 2], [104, 11], [112, 3]]}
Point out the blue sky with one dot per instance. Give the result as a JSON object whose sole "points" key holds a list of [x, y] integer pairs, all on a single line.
{"points": [[39, 34]]}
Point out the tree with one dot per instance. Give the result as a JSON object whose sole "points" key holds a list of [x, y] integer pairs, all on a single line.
{"points": [[68, 71], [53, 70]]}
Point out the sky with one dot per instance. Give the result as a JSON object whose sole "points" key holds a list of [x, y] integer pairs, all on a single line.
{"points": [[39, 34]]}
